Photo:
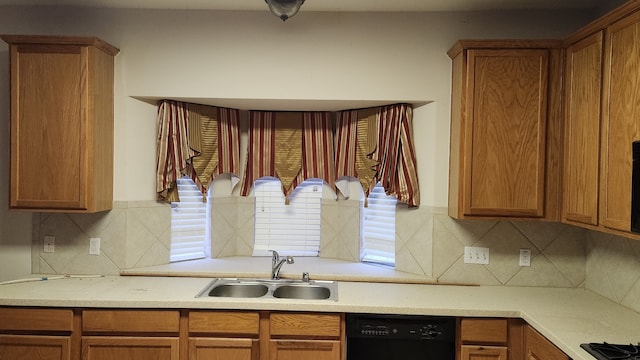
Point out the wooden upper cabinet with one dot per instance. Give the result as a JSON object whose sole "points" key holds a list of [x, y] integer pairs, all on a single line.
{"points": [[582, 130], [621, 120], [500, 111], [61, 123]]}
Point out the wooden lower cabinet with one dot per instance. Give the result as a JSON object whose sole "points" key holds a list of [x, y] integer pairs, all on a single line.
{"points": [[484, 339], [130, 334], [305, 349], [37, 334], [223, 349], [537, 347], [130, 348], [35, 347], [224, 335], [309, 336], [473, 352]]}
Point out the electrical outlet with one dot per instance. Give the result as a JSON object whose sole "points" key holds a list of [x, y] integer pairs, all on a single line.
{"points": [[49, 244], [476, 255], [525, 257], [94, 246]]}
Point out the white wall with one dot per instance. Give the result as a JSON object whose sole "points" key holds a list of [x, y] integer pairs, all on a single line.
{"points": [[252, 56]]}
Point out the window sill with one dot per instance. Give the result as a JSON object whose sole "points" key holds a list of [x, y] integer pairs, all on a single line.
{"points": [[259, 267]]}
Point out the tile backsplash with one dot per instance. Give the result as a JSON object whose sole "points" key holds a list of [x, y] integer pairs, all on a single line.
{"points": [[428, 243]]}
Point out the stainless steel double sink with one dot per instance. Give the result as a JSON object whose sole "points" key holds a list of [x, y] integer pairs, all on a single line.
{"points": [[264, 288]]}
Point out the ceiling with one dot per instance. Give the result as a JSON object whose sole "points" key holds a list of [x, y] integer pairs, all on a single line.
{"points": [[324, 5]]}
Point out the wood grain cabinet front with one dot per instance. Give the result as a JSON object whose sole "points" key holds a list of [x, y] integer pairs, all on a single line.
{"points": [[582, 131], [601, 121], [620, 122], [224, 335], [130, 334], [537, 347], [312, 336], [505, 129], [61, 123], [38, 334], [485, 339]]}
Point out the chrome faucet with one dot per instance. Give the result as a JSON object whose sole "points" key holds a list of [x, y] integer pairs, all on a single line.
{"points": [[276, 264]]}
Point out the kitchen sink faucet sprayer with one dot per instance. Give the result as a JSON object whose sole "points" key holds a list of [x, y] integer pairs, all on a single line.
{"points": [[276, 264]]}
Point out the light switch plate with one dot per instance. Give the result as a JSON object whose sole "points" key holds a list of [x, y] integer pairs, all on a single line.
{"points": [[525, 257], [49, 244], [476, 255], [94, 246]]}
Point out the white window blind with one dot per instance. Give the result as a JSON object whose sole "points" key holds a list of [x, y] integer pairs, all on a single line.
{"points": [[292, 229], [189, 225], [379, 228]]}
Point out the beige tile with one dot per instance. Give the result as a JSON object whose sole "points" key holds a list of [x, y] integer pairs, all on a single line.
{"points": [[329, 240], [461, 273], [468, 232], [414, 241], [568, 255], [613, 268], [597, 280], [348, 228], [70, 242], [632, 299], [94, 224], [44, 267], [139, 239], [447, 249], [114, 240], [504, 242], [541, 233], [541, 273]]}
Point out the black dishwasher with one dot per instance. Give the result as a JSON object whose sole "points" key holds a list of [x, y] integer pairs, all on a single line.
{"points": [[384, 337]]}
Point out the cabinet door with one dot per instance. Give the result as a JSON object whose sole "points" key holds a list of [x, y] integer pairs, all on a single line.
{"points": [[582, 131], [621, 122], [505, 138], [61, 123], [537, 347], [129, 348], [471, 352], [304, 349], [35, 347], [47, 126], [223, 349]]}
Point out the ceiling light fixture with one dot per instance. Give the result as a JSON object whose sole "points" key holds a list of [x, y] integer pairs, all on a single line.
{"points": [[284, 9]]}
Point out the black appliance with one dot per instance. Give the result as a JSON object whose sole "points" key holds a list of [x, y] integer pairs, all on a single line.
{"points": [[606, 351], [384, 337], [635, 189]]}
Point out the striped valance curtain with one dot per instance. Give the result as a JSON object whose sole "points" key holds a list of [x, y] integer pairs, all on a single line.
{"points": [[199, 141], [290, 146], [376, 145], [372, 145]]}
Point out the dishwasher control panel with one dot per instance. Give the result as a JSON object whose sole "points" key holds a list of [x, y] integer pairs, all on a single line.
{"points": [[401, 327]]}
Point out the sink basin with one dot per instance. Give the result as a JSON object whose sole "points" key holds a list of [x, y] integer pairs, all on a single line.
{"points": [[270, 289], [239, 290], [314, 292]]}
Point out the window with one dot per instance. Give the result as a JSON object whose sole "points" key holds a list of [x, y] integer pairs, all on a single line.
{"points": [[293, 229], [378, 232], [189, 225]]}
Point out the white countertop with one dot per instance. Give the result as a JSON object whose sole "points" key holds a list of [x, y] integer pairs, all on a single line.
{"points": [[567, 317]]}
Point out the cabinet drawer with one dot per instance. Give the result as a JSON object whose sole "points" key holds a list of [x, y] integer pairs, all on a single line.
{"points": [[305, 324], [36, 319], [484, 352], [125, 321], [35, 347], [484, 330], [224, 322]]}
